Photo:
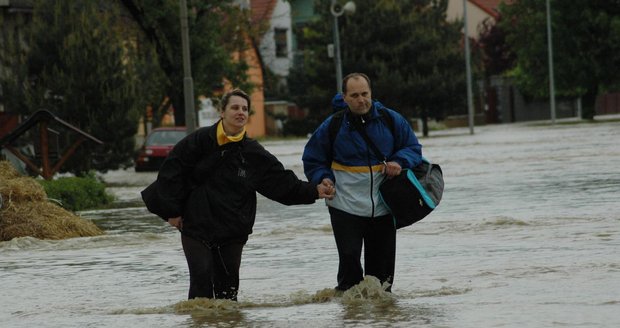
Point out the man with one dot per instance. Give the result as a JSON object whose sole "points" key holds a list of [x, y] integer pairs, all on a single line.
{"points": [[358, 216]]}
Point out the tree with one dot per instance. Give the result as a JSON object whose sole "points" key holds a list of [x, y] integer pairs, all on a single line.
{"points": [[497, 57], [217, 29], [586, 48], [98, 64], [13, 62], [408, 49], [83, 68]]}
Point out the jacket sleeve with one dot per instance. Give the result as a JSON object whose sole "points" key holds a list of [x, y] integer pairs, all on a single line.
{"points": [[282, 185], [317, 155], [174, 177], [407, 149]]}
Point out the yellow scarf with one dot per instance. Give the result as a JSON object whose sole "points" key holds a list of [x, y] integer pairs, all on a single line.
{"points": [[223, 139]]}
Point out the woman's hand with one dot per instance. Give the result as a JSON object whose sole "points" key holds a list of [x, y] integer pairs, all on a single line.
{"points": [[176, 222], [326, 189]]}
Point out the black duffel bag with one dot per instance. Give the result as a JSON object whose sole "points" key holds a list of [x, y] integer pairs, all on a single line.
{"points": [[414, 193]]}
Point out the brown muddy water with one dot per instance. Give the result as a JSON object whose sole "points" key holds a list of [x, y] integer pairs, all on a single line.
{"points": [[527, 235]]}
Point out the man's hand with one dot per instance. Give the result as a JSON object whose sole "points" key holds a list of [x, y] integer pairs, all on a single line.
{"points": [[392, 169], [326, 189], [176, 222]]}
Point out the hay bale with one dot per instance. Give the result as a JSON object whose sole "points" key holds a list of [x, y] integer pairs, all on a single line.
{"points": [[14, 188], [26, 212], [22, 189], [43, 220], [7, 171]]}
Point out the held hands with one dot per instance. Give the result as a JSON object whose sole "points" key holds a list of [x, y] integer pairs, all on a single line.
{"points": [[392, 169], [326, 189], [176, 222]]}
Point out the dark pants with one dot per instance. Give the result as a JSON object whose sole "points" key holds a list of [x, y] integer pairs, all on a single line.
{"points": [[213, 272], [376, 235]]}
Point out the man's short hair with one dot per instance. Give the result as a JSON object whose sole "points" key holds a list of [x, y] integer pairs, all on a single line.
{"points": [[353, 75]]}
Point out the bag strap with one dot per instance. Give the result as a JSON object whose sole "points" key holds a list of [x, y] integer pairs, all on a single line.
{"points": [[372, 145], [338, 118]]}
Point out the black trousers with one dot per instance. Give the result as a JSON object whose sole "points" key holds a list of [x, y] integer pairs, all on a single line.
{"points": [[213, 271], [378, 238]]}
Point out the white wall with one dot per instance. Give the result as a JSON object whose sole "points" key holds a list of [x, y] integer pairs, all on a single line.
{"points": [[280, 19]]}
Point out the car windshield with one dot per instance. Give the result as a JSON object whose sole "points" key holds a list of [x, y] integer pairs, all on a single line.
{"points": [[160, 138]]}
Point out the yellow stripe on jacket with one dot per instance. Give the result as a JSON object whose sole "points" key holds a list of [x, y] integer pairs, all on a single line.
{"points": [[356, 169], [353, 190]]}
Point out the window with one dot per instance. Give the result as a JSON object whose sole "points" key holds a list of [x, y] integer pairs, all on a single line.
{"points": [[281, 44]]}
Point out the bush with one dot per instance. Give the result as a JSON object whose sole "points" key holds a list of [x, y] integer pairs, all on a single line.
{"points": [[78, 193]]}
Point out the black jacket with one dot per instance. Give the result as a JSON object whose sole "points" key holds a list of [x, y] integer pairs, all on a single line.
{"points": [[214, 187]]}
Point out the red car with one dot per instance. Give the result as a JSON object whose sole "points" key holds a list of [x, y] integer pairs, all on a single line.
{"points": [[157, 146]]}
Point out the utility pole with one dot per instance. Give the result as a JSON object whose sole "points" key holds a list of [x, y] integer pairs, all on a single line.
{"points": [[188, 82], [337, 59], [470, 96], [337, 10], [550, 53]]}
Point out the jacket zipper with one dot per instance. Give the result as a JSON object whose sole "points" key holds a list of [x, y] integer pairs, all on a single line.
{"points": [[372, 181]]}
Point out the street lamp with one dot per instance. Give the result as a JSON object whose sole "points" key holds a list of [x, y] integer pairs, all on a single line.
{"points": [[550, 55], [188, 82], [470, 97], [337, 10]]}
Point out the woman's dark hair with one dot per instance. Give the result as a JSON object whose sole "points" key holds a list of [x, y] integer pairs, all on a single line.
{"points": [[353, 75], [234, 92]]}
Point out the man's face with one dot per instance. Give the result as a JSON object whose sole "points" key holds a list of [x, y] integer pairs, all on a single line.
{"points": [[358, 95]]}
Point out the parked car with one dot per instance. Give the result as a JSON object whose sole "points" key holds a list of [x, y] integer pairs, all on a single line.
{"points": [[157, 145]]}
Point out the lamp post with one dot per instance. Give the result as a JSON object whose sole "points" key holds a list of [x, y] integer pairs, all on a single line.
{"points": [[550, 55], [470, 97], [337, 10], [188, 82]]}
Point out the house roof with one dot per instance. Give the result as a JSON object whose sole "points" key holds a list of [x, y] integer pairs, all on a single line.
{"points": [[262, 9], [491, 7]]}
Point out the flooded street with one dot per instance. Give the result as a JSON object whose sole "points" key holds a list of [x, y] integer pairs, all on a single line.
{"points": [[527, 235]]}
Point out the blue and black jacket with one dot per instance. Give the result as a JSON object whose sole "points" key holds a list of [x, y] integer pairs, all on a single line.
{"points": [[352, 164]]}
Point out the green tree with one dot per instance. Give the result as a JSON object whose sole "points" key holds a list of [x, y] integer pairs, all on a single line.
{"points": [[496, 56], [408, 49], [217, 29], [586, 47], [83, 68], [98, 64], [13, 60]]}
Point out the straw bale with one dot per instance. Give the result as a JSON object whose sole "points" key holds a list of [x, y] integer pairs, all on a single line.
{"points": [[22, 189], [7, 171], [26, 212], [43, 220]]}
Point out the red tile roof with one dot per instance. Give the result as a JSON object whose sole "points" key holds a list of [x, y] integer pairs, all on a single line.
{"points": [[262, 9], [491, 7]]}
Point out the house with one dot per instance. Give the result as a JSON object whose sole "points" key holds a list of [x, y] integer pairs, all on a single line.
{"points": [[256, 123], [275, 47], [478, 11]]}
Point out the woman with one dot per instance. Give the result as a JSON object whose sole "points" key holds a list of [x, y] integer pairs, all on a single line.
{"points": [[207, 189]]}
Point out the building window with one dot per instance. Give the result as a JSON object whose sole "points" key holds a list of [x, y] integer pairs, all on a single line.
{"points": [[281, 44]]}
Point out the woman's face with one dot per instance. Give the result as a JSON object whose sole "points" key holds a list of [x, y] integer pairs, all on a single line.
{"points": [[235, 115]]}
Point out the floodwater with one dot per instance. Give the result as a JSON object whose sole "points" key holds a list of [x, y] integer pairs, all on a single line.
{"points": [[527, 235]]}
